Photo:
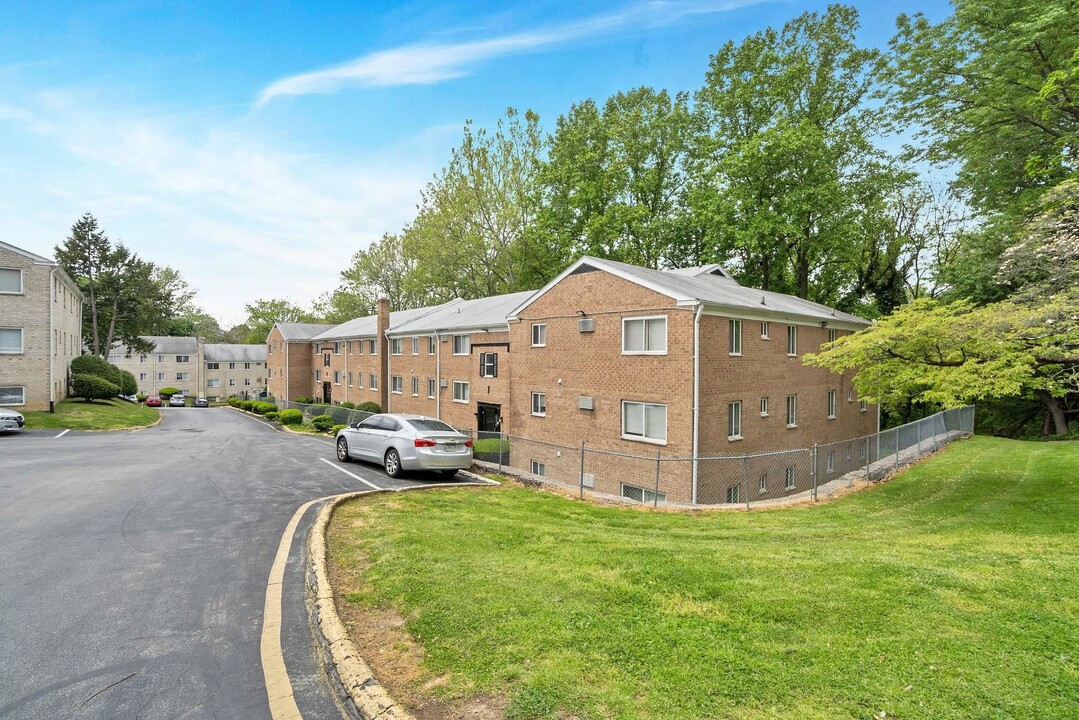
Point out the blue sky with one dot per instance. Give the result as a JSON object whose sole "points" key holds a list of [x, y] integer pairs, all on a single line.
{"points": [[256, 146]]}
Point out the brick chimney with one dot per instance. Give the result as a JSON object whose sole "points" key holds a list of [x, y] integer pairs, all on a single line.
{"points": [[383, 353]]}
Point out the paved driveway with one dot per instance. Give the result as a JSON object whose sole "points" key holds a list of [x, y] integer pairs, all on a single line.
{"points": [[134, 567]]}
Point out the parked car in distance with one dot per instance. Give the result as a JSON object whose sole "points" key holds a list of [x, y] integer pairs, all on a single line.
{"points": [[177, 401], [10, 420], [153, 401], [201, 402], [402, 442]]}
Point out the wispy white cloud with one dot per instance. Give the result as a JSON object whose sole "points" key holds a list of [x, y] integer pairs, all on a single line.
{"points": [[429, 63]]}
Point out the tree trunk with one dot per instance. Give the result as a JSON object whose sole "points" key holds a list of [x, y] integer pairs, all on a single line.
{"points": [[1056, 412], [112, 330], [93, 312]]}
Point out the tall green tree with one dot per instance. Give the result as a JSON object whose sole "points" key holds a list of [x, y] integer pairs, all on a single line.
{"points": [[786, 168], [382, 269], [263, 313]]}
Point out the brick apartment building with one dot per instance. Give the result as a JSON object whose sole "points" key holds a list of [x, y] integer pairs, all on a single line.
{"points": [[215, 371], [40, 329], [685, 363], [289, 361]]}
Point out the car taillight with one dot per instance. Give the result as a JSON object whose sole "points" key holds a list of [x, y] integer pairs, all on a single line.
{"points": [[424, 442], [468, 443]]}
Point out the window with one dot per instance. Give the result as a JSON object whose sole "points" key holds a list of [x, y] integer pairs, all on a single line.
{"points": [[539, 335], [732, 493], [318, 348], [415, 387], [735, 347], [161, 358], [762, 483], [359, 380], [430, 387], [183, 358], [460, 345], [11, 282], [232, 366], [764, 331], [161, 377], [831, 404], [832, 335], [397, 384], [539, 404], [318, 376], [350, 379], [372, 347], [644, 336], [642, 494], [349, 347], [213, 366], [247, 365], [142, 358], [213, 383], [269, 372], [734, 420], [460, 391], [11, 340], [850, 394], [114, 359], [862, 405], [359, 347], [395, 346], [792, 340], [183, 376], [336, 377], [432, 344], [13, 395], [488, 365], [830, 464], [142, 377], [792, 410], [415, 346], [764, 407], [232, 382], [644, 421], [372, 381], [538, 468], [789, 478], [247, 382]]}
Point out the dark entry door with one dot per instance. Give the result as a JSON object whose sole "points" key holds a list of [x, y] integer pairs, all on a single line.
{"points": [[488, 417], [326, 392]]}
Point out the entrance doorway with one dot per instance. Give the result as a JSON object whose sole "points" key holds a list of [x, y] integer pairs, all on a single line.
{"points": [[488, 417], [326, 393]]}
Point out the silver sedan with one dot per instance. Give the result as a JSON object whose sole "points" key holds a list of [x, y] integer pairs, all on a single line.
{"points": [[405, 442], [12, 420]]}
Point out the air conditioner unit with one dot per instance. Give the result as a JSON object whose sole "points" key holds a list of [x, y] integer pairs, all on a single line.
{"points": [[586, 325], [588, 480], [585, 402], [443, 383]]}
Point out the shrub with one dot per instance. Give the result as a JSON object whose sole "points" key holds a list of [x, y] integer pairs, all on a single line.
{"points": [[487, 446], [141, 397], [348, 405], [128, 386], [336, 428], [304, 400], [369, 406], [92, 387], [234, 402], [264, 407], [322, 423], [94, 365], [292, 416], [249, 405], [167, 393], [272, 415]]}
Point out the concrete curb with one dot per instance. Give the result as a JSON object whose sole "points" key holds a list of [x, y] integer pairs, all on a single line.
{"points": [[348, 670]]}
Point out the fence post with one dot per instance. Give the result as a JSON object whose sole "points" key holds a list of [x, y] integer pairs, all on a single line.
{"points": [[814, 472], [655, 495], [501, 441], [918, 427], [898, 437], [867, 458], [582, 470], [745, 478]]}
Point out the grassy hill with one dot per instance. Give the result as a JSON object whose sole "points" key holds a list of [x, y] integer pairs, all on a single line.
{"points": [[950, 592], [98, 415]]}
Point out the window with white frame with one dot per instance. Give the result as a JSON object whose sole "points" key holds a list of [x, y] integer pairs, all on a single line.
{"points": [[732, 494], [350, 379], [832, 334], [12, 395], [788, 476], [430, 388], [863, 405], [372, 347], [247, 382], [850, 394], [143, 377], [643, 495], [644, 421], [395, 346], [415, 387], [183, 358], [762, 483], [764, 330], [372, 381], [538, 468], [792, 340], [734, 420], [644, 335], [247, 365], [232, 366], [232, 382], [318, 375], [792, 410], [336, 377], [359, 380], [11, 282], [734, 347], [142, 358], [161, 377], [183, 376], [11, 340], [539, 404], [213, 383], [831, 404], [213, 366], [359, 347], [539, 334], [460, 391], [397, 384], [318, 348], [114, 359], [830, 463], [337, 347], [349, 347], [764, 407], [432, 344], [489, 365], [161, 358], [460, 345], [415, 346]]}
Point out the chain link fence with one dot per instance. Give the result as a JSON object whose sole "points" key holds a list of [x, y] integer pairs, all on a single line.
{"points": [[747, 481], [340, 415]]}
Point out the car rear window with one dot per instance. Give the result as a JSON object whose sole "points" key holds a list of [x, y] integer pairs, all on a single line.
{"points": [[428, 424]]}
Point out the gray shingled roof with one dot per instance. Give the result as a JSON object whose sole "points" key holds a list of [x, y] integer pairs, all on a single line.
{"points": [[301, 331], [173, 345], [26, 253], [715, 291], [230, 352], [367, 326], [477, 314]]}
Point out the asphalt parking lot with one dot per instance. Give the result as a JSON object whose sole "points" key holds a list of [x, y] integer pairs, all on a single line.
{"points": [[136, 565]]}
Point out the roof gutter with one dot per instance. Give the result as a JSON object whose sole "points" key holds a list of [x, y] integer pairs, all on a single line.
{"points": [[696, 391]]}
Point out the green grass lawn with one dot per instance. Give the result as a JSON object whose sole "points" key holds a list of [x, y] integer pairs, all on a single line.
{"points": [[98, 415], [951, 591]]}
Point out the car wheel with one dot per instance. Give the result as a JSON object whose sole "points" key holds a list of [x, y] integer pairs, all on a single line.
{"points": [[342, 450], [448, 473], [393, 463]]}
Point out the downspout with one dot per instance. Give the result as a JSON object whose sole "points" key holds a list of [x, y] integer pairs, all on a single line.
{"points": [[52, 340], [696, 391], [438, 375], [286, 398]]}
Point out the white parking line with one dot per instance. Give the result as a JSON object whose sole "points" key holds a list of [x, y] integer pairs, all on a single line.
{"points": [[346, 472], [65, 432]]}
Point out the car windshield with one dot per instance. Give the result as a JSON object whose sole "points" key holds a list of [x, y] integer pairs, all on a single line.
{"points": [[429, 424]]}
